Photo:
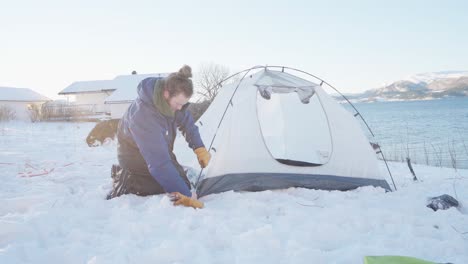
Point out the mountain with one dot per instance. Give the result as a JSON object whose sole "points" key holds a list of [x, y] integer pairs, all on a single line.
{"points": [[424, 86]]}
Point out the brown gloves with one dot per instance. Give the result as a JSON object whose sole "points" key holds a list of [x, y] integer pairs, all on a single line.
{"points": [[180, 199], [203, 156]]}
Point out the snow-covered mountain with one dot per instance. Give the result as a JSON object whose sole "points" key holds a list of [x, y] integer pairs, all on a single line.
{"points": [[421, 86], [434, 76]]}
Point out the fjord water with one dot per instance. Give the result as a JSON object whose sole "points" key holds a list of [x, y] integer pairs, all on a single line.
{"points": [[433, 132]]}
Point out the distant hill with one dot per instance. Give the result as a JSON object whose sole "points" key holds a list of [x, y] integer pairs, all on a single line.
{"points": [[419, 87]]}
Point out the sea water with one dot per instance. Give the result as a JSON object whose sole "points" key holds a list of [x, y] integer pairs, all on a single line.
{"points": [[432, 132]]}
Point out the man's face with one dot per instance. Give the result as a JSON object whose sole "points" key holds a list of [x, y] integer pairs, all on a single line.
{"points": [[176, 102]]}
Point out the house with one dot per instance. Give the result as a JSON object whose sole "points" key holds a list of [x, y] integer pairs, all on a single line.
{"points": [[89, 96], [20, 103], [126, 92], [109, 97]]}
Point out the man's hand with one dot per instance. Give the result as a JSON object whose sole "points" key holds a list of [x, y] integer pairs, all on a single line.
{"points": [[180, 199], [203, 156]]}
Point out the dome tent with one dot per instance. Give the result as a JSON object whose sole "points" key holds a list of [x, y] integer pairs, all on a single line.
{"points": [[274, 130]]}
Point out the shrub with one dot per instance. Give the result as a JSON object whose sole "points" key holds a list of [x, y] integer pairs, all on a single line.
{"points": [[34, 112], [7, 113]]}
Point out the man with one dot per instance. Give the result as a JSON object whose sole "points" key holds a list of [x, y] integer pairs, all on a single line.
{"points": [[146, 137]]}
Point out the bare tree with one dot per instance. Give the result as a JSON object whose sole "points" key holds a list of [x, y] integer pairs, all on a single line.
{"points": [[209, 78]]}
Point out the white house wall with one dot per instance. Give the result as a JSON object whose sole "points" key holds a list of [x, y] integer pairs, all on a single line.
{"points": [[118, 110], [95, 100]]}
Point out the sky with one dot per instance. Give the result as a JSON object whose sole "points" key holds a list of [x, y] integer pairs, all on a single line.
{"points": [[353, 45]]}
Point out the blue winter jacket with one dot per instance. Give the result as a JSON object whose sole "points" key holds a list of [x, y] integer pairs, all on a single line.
{"points": [[144, 128]]}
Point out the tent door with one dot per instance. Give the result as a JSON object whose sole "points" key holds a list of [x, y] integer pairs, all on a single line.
{"points": [[295, 133]]}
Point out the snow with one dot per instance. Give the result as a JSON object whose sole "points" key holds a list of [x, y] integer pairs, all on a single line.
{"points": [[21, 94], [53, 211]]}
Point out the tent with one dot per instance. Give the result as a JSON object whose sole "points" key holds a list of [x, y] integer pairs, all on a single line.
{"points": [[274, 130]]}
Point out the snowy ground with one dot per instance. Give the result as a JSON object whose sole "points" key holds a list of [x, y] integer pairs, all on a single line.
{"points": [[52, 210]]}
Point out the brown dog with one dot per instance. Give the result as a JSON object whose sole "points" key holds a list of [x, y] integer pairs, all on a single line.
{"points": [[102, 130]]}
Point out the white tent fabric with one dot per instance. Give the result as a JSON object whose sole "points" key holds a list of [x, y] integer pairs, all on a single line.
{"points": [[244, 158]]}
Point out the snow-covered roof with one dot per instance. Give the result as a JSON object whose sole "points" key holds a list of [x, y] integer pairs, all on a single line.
{"points": [[21, 94], [124, 86], [127, 87], [89, 87]]}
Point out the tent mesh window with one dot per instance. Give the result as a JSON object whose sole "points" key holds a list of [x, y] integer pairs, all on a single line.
{"points": [[294, 130]]}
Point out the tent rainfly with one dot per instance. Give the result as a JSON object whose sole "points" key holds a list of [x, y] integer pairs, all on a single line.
{"points": [[274, 130]]}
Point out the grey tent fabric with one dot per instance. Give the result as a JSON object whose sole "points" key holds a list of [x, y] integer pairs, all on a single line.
{"points": [[271, 181]]}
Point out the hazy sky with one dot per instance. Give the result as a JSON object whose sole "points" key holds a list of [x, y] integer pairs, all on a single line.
{"points": [[354, 45]]}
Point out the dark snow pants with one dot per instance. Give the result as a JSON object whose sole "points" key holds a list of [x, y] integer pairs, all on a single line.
{"points": [[139, 182], [126, 181], [132, 174]]}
